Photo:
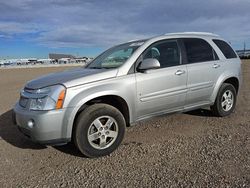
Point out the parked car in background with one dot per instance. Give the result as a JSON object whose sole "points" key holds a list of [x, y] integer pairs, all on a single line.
{"points": [[244, 54], [130, 82]]}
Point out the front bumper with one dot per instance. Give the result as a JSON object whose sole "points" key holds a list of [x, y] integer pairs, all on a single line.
{"points": [[48, 126]]}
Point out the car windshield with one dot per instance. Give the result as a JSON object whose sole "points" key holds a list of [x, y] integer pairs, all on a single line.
{"points": [[115, 56]]}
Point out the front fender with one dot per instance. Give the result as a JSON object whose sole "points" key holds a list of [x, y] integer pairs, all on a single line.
{"points": [[80, 95]]}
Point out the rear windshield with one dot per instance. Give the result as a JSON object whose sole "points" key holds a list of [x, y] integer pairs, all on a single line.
{"points": [[225, 49]]}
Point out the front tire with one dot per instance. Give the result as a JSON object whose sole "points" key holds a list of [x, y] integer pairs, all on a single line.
{"points": [[225, 101], [99, 130]]}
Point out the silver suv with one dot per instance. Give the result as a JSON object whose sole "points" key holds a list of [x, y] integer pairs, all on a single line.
{"points": [[127, 83]]}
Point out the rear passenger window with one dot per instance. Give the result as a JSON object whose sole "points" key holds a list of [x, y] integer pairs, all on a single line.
{"points": [[225, 49], [167, 53], [198, 50]]}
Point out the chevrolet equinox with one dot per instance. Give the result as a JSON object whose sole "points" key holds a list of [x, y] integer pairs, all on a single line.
{"points": [[92, 105]]}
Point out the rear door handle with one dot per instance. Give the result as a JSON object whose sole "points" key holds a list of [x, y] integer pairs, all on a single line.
{"points": [[216, 66], [179, 72]]}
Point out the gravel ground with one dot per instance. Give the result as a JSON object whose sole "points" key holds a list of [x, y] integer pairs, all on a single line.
{"points": [[193, 149]]}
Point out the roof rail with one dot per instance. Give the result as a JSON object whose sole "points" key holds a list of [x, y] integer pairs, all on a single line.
{"points": [[193, 33], [134, 40]]}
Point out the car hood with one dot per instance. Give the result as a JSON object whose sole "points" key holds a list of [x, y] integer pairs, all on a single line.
{"points": [[72, 77]]}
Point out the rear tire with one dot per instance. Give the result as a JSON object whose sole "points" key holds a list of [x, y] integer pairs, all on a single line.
{"points": [[99, 130], [225, 101]]}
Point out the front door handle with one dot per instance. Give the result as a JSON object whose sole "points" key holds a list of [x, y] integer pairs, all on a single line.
{"points": [[216, 66], [179, 72]]}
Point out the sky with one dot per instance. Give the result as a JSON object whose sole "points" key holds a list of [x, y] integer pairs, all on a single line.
{"points": [[35, 28]]}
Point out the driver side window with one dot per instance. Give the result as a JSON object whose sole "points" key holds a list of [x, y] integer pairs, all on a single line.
{"points": [[166, 52]]}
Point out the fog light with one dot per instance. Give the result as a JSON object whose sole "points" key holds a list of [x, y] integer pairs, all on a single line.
{"points": [[31, 123]]}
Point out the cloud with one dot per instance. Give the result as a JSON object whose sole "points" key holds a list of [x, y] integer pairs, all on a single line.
{"points": [[17, 28], [76, 23], [92, 36]]}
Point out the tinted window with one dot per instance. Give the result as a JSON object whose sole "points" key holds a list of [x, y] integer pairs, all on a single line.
{"points": [[225, 49], [198, 50], [167, 53]]}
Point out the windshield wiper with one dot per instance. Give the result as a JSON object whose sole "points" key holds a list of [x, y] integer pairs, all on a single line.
{"points": [[95, 67], [109, 67], [101, 67]]}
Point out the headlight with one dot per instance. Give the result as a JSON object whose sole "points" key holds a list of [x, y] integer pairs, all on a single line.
{"points": [[48, 98]]}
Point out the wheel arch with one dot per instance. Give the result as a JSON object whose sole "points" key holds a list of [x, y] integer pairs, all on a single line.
{"points": [[234, 81], [111, 99], [231, 79]]}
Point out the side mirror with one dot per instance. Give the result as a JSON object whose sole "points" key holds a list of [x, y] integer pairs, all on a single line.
{"points": [[149, 63]]}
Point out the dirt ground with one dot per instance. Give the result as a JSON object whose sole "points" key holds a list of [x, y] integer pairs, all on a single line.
{"points": [[193, 149]]}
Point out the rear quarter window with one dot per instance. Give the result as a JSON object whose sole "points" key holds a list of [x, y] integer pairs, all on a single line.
{"points": [[225, 49]]}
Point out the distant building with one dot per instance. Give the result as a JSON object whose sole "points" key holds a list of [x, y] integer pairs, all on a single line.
{"points": [[66, 58], [53, 59], [60, 56]]}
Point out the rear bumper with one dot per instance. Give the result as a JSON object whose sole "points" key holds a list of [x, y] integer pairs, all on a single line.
{"points": [[47, 125]]}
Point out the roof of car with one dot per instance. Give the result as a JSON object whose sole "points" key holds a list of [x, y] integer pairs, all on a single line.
{"points": [[193, 34], [179, 35]]}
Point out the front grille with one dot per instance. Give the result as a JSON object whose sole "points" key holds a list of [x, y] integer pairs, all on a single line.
{"points": [[23, 101], [24, 97]]}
